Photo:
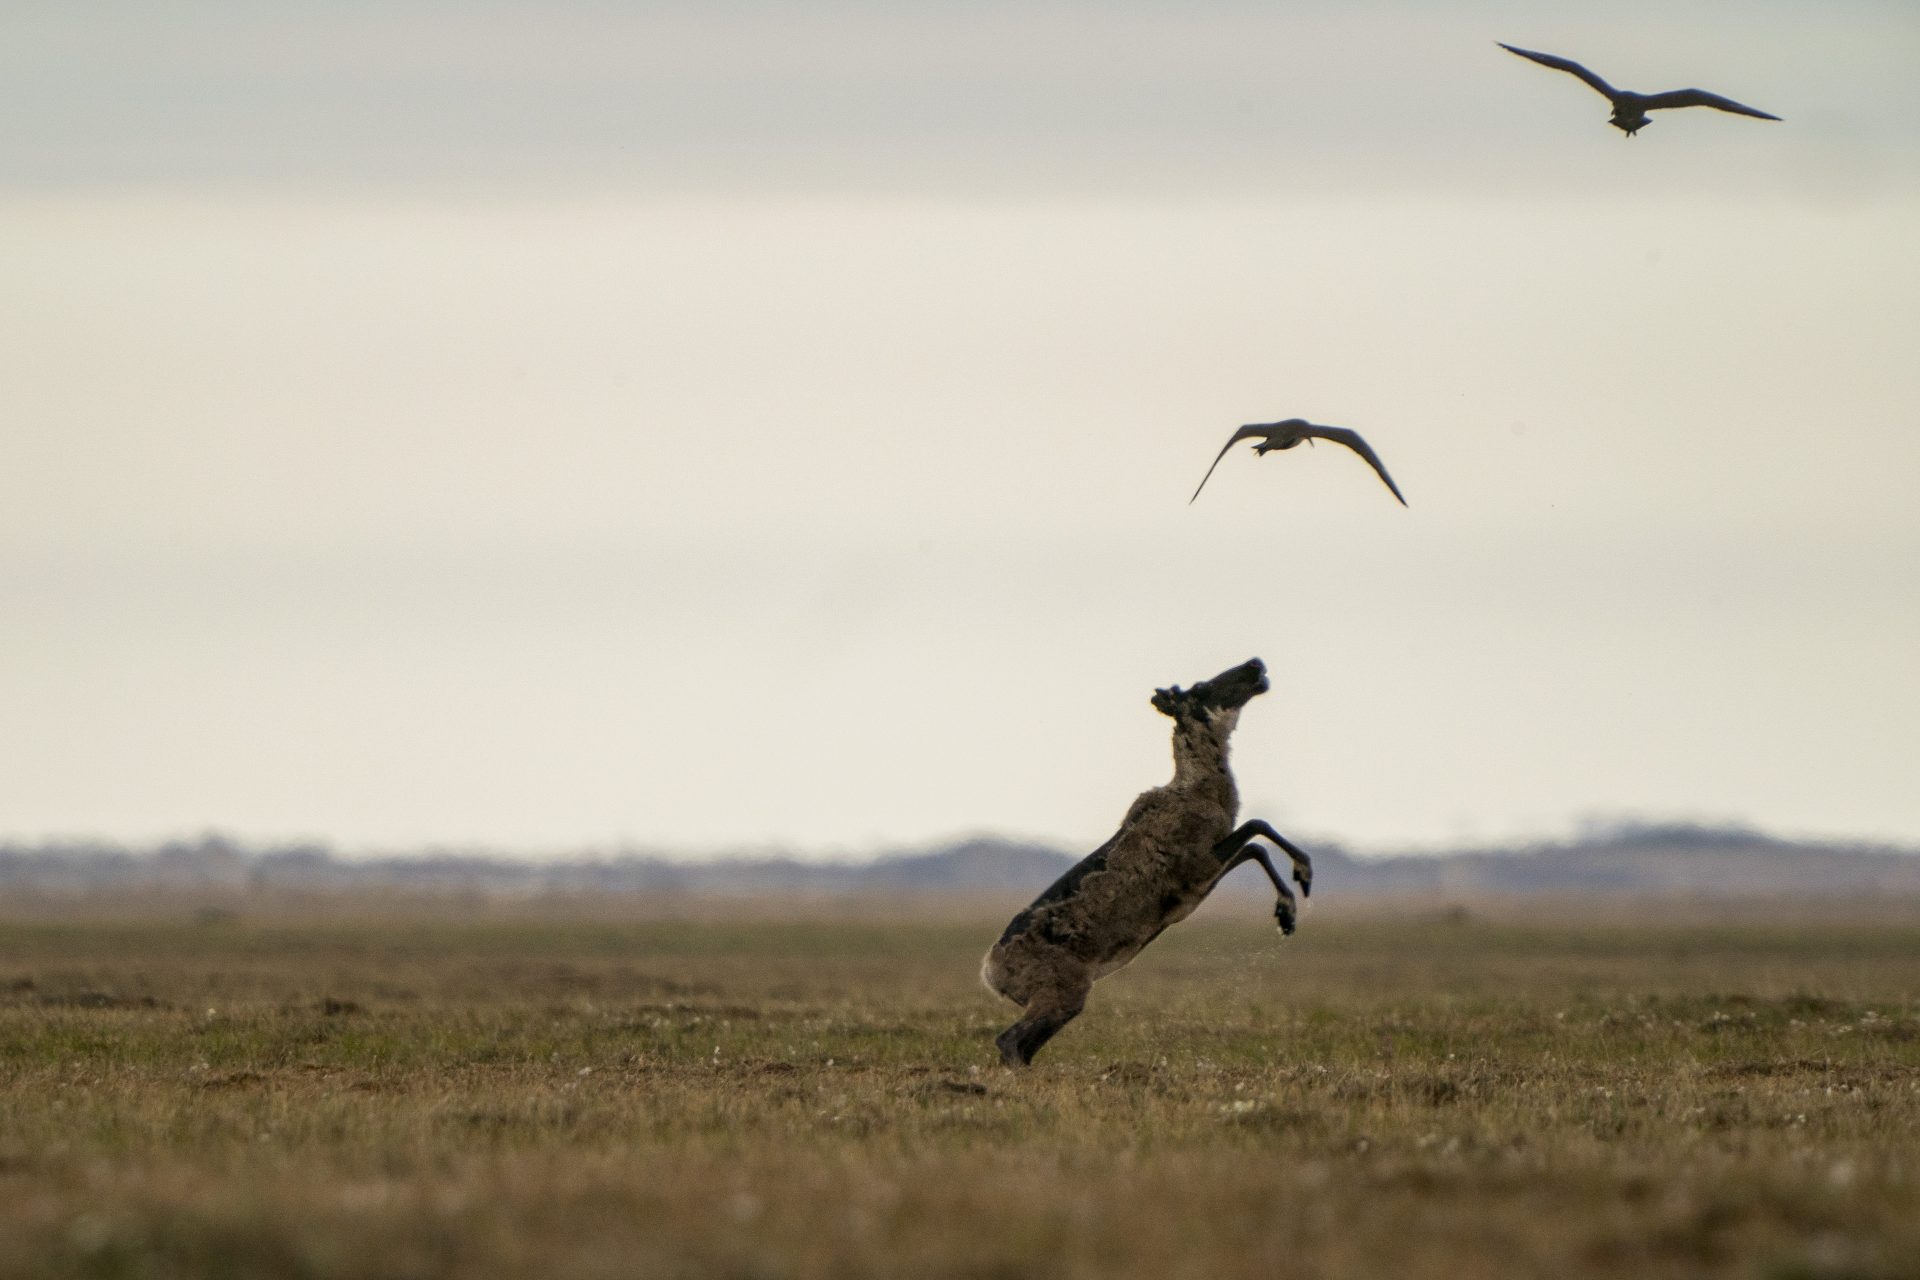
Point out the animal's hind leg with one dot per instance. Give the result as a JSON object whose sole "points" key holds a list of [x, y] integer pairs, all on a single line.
{"points": [[1045, 1014]]}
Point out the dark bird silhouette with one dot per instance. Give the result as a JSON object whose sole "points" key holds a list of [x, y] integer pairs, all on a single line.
{"points": [[1285, 435], [1630, 108]]}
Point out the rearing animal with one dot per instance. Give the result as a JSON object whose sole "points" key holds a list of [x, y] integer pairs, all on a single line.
{"points": [[1173, 847]]}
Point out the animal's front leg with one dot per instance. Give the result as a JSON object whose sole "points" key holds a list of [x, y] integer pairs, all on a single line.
{"points": [[1240, 847], [1285, 909], [1227, 850]]}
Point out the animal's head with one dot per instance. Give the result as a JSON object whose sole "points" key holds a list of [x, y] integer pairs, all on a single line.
{"points": [[1284, 439], [1214, 703]]}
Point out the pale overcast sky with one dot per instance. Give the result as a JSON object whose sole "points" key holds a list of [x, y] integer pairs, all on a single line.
{"points": [[563, 425]]}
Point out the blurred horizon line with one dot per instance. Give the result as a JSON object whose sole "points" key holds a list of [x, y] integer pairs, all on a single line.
{"points": [[1580, 832]]}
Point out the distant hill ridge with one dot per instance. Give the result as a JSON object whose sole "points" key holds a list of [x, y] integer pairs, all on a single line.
{"points": [[1669, 859]]}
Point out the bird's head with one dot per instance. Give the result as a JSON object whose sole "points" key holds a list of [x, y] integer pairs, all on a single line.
{"points": [[1282, 435]]}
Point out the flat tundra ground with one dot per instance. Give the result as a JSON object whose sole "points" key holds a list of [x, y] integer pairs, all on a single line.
{"points": [[358, 1089]]}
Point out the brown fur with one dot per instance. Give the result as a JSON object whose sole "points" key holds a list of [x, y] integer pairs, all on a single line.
{"points": [[1174, 845]]}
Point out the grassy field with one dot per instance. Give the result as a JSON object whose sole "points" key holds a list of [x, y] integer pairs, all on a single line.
{"points": [[563, 1090]]}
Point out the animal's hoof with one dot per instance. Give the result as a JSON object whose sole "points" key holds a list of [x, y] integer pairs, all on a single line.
{"points": [[1283, 919], [1009, 1047]]}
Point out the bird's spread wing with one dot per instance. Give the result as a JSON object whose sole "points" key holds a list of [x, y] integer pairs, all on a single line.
{"points": [[1569, 66], [1243, 433], [1351, 439], [1699, 98]]}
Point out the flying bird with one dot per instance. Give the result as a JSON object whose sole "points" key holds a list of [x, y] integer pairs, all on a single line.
{"points": [[1630, 108], [1285, 435]]}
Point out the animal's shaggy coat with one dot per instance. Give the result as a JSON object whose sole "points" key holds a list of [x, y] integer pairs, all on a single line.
{"points": [[1174, 845]]}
